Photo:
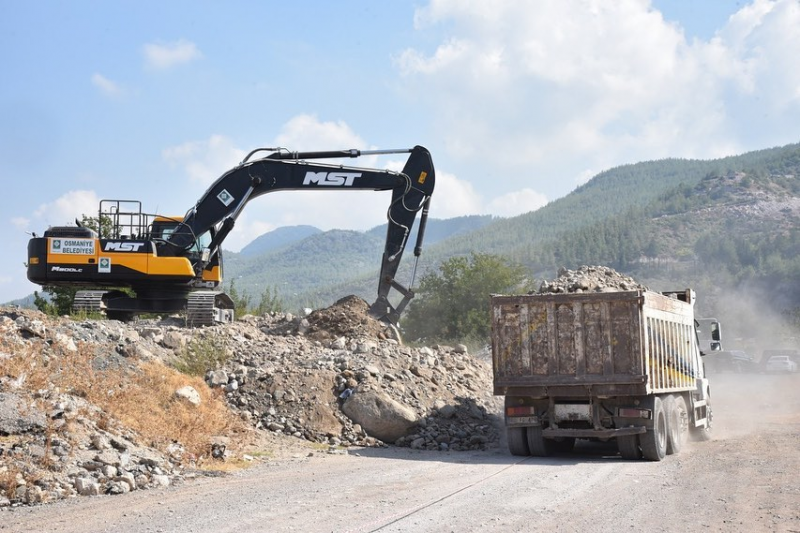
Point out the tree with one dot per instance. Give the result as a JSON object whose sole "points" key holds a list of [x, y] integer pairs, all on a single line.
{"points": [[242, 305], [57, 302], [453, 303], [270, 301]]}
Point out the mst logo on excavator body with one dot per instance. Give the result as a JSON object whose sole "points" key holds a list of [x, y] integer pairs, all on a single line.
{"points": [[115, 246], [342, 179]]}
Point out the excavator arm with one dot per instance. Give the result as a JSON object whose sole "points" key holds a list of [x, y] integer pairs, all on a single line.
{"points": [[223, 202]]}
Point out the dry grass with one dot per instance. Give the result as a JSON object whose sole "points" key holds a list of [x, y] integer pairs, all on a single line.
{"points": [[147, 404], [141, 397], [8, 479]]}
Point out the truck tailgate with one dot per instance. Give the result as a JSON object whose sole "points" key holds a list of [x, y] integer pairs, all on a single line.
{"points": [[632, 342], [568, 340]]}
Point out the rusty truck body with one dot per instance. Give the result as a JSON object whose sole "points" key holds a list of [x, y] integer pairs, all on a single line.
{"points": [[612, 365]]}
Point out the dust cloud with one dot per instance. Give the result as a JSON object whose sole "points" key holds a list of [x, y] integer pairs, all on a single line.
{"points": [[752, 401], [753, 323], [748, 403]]}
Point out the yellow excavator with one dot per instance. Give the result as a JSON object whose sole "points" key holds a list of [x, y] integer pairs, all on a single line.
{"points": [[145, 263]]}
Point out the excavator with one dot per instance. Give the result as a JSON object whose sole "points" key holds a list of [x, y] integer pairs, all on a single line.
{"points": [[139, 263]]}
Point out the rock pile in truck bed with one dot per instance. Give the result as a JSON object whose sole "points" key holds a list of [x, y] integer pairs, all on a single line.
{"points": [[590, 279]]}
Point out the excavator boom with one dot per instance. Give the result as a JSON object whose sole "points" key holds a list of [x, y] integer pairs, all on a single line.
{"points": [[165, 263]]}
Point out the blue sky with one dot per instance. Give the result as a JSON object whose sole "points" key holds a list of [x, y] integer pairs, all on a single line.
{"points": [[519, 102]]}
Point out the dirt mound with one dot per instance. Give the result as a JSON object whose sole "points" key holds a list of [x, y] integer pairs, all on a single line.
{"points": [[590, 279], [348, 317]]}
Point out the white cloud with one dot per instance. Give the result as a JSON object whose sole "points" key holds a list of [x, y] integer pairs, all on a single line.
{"points": [[307, 133], [516, 203], [763, 39], [551, 88], [65, 209], [163, 56], [106, 86], [204, 161], [453, 197]]}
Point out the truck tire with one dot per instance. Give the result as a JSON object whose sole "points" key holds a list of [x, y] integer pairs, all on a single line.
{"points": [[654, 441], [677, 423], [628, 446], [517, 441], [537, 444]]}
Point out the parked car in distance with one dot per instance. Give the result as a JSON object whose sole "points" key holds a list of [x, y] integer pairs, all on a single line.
{"points": [[736, 361], [766, 355], [781, 363]]}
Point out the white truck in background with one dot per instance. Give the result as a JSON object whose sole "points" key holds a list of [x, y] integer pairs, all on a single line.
{"points": [[611, 365]]}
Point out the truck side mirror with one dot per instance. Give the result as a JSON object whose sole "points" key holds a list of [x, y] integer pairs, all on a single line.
{"points": [[715, 334]]}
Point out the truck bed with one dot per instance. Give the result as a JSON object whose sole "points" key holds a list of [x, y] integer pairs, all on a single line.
{"points": [[593, 344]]}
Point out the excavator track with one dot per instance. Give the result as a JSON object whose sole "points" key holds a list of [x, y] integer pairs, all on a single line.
{"points": [[88, 301], [202, 310]]}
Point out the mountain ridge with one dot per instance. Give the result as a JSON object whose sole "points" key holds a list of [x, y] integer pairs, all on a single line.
{"points": [[674, 213]]}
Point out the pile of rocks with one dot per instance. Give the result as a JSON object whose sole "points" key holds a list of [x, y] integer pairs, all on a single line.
{"points": [[52, 444], [590, 279], [335, 378]]}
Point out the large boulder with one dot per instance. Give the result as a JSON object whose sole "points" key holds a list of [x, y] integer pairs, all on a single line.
{"points": [[379, 415], [16, 417]]}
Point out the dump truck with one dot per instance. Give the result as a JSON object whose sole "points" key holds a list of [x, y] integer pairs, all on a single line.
{"points": [[620, 365]]}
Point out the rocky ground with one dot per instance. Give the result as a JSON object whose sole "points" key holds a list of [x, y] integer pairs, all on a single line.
{"points": [[310, 384], [296, 385]]}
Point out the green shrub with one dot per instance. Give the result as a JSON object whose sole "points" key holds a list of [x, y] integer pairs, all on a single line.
{"points": [[203, 353]]}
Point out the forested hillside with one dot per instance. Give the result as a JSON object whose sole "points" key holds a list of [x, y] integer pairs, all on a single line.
{"points": [[303, 264], [323, 259], [727, 227], [439, 230], [278, 238]]}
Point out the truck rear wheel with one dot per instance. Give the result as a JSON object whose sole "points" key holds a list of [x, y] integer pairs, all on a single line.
{"points": [[654, 441], [677, 423], [517, 441], [537, 444]]}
